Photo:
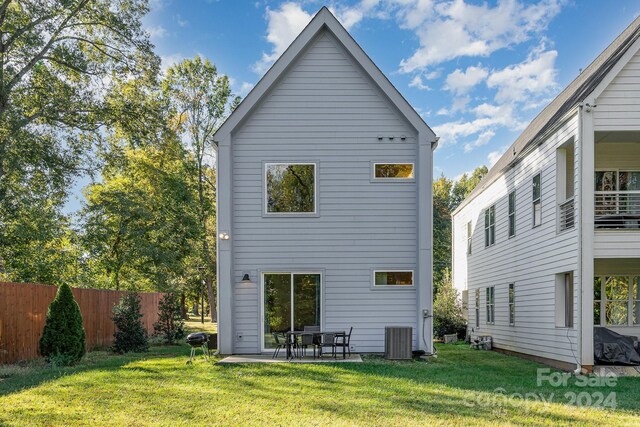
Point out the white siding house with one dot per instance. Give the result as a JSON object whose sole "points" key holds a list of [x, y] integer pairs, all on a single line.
{"points": [[324, 201], [568, 256]]}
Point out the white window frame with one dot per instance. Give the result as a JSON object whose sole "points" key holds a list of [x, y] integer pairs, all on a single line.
{"points": [[393, 270], [490, 227], [469, 237], [631, 299], [564, 306], [512, 304], [490, 304], [265, 195], [512, 214], [477, 307], [534, 201], [390, 179]]}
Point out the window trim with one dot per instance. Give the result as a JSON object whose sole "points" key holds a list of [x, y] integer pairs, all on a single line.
{"points": [[392, 270], [512, 304], [511, 214], [631, 299], [477, 307], [538, 200], [490, 227], [564, 314], [265, 198], [490, 304], [373, 177]]}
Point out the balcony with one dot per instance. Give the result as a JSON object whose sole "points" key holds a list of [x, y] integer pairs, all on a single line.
{"points": [[567, 215], [617, 210]]}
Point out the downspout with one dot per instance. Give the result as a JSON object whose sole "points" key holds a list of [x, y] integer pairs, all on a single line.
{"points": [[578, 369]]}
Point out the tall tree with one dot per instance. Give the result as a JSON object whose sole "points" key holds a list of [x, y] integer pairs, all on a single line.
{"points": [[447, 196], [56, 59], [201, 99]]}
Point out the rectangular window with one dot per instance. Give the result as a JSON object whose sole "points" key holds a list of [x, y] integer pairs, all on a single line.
{"points": [[537, 200], [512, 304], [490, 226], [512, 214], [616, 300], [393, 278], [469, 235], [564, 300], [393, 171], [290, 188], [491, 305], [477, 307]]}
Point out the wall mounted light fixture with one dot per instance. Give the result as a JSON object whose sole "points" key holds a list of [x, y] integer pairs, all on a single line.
{"points": [[223, 236]]}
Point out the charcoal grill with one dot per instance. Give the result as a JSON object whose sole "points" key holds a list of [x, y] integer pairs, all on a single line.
{"points": [[198, 340]]}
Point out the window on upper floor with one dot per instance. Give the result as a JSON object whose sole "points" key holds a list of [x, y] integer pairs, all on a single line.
{"points": [[290, 188], [491, 305], [537, 200], [469, 237], [393, 171], [565, 183], [512, 214], [490, 226]]}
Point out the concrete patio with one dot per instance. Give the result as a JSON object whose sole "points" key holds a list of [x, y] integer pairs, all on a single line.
{"points": [[267, 358]]}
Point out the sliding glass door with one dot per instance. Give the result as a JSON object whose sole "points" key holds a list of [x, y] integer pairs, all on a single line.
{"points": [[291, 302]]}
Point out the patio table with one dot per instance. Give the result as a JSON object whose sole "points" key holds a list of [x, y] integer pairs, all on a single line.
{"points": [[292, 336]]}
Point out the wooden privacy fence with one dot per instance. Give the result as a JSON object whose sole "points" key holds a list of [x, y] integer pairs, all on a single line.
{"points": [[23, 308]]}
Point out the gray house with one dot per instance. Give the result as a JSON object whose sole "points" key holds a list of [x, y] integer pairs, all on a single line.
{"points": [[324, 201]]}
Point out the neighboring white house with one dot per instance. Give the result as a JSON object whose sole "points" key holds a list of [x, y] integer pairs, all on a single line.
{"points": [[324, 201], [548, 244]]}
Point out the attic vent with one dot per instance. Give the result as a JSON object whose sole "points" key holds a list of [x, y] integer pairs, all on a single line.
{"points": [[397, 342]]}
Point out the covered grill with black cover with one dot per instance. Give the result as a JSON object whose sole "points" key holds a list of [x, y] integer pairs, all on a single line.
{"points": [[612, 348], [198, 339]]}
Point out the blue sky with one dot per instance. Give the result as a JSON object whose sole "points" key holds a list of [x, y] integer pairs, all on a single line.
{"points": [[477, 71]]}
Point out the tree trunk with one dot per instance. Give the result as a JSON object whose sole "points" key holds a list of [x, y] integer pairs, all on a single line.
{"points": [[212, 300], [183, 307], [195, 309]]}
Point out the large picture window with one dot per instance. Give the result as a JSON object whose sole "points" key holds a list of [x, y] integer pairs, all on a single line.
{"points": [[616, 300], [290, 188]]}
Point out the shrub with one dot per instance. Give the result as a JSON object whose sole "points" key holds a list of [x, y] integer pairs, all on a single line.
{"points": [[447, 310], [63, 338], [170, 324], [130, 335]]}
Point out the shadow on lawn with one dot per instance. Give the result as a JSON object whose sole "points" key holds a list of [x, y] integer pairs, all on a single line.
{"points": [[93, 361]]}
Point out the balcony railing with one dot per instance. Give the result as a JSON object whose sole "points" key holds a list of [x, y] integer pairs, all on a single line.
{"points": [[567, 215], [617, 209]]}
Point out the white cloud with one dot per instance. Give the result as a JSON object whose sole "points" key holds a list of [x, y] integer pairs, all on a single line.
{"points": [[167, 61], [350, 16], [494, 156], [157, 32], [461, 82], [534, 77], [418, 83], [483, 139], [283, 27], [452, 29], [245, 88], [181, 21]]}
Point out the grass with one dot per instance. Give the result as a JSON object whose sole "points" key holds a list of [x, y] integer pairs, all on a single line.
{"points": [[460, 387]]}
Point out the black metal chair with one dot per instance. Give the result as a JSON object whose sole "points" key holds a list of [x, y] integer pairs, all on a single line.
{"points": [[277, 336], [344, 341], [326, 341], [311, 328]]}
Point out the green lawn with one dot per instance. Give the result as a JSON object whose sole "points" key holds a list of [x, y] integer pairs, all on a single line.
{"points": [[461, 387]]}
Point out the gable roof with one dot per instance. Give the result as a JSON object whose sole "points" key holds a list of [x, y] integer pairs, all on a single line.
{"points": [[324, 19], [577, 91]]}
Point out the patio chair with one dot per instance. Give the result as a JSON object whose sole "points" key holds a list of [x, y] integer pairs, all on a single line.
{"points": [[343, 341], [326, 341], [307, 340], [279, 340], [311, 328]]}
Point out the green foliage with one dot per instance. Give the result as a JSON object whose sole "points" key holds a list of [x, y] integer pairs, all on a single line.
{"points": [[130, 335], [170, 325], [447, 196], [57, 58], [447, 310], [63, 338]]}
